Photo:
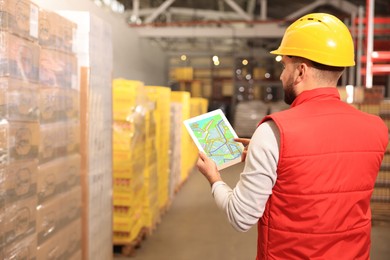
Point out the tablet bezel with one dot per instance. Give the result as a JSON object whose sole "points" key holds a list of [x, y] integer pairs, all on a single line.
{"points": [[227, 123]]}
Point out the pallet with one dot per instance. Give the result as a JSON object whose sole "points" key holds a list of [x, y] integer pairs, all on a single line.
{"points": [[129, 249], [179, 186]]}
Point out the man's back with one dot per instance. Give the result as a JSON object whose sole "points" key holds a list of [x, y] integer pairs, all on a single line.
{"points": [[330, 154]]}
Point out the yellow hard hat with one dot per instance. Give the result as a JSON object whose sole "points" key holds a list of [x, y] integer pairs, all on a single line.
{"points": [[319, 37]]}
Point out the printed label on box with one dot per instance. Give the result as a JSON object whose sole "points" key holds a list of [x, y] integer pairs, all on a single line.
{"points": [[34, 21]]}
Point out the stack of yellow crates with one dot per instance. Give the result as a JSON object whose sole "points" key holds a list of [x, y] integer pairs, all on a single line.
{"points": [[381, 196], [151, 211], [128, 159], [161, 97], [184, 73]]}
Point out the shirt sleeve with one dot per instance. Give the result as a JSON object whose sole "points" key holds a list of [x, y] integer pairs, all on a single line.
{"points": [[245, 204]]}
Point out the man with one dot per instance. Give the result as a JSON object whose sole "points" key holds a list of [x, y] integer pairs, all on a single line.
{"points": [[309, 170]]}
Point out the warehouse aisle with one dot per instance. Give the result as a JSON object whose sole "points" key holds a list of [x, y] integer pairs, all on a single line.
{"points": [[195, 229]]}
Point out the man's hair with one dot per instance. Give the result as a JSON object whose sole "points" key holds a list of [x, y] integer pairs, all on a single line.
{"points": [[324, 72]]}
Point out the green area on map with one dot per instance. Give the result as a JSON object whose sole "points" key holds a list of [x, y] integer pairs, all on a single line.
{"points": [[216, 139]]}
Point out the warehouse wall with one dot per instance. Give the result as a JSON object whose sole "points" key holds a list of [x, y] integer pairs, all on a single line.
{"points": [[134, 58]]}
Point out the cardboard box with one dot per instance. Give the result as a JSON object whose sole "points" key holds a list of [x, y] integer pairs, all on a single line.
{"points": [[58, 104], [19, 219], [18, 141], [49, 218], [2, 216], [54, 247], [23, 249], [21, 180], [48, 104], [69, 131], [73, 239], [78, 255], [51, 180], [72, 137], [71, 205], [4, 152], [56, 32], [49, 138], [69, 105], [18, 100], [72, 170], [19, 58], [57, 69], [20, 17]]}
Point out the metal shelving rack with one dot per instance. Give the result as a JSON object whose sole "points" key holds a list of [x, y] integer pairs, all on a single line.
{"points": [[373, 68]]}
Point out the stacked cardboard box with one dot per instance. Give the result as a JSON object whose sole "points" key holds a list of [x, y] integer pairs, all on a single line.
{"points": [[129, 160], [161, 96], [40, 160], [371, 101], [95, 64], [58, 188], [19, 129], [381, 196]]}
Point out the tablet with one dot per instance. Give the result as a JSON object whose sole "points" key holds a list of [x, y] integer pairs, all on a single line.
{"points": [[213, 135]]}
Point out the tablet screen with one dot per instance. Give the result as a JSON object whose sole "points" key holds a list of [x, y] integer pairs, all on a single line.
{"points": [[213, 135]]}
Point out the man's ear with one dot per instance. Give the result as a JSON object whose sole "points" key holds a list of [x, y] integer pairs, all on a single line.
{"points": [[302, 72]]}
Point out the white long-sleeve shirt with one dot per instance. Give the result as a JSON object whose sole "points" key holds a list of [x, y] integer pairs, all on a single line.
{"points": [[245, 204]]}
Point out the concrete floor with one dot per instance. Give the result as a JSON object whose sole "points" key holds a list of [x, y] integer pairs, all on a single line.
{"points": [[194, 229]]}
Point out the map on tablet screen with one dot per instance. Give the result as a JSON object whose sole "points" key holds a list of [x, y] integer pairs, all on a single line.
{"points": [[213, 135]]}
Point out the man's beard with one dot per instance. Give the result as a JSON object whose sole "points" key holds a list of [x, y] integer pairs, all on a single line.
{"points": [[289, 93]]}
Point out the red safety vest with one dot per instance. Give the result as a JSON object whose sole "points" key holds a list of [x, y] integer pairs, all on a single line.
{"points": [[330, 155]]}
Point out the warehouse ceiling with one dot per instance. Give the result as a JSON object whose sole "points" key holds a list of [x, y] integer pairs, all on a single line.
{"points": [[228, 26]]}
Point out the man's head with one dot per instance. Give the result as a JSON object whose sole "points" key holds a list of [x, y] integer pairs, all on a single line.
{"points": [[315, 48], [300, 74]]}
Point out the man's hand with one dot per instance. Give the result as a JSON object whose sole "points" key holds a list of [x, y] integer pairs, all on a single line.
{"points": [[245, 142], [208, 168]]}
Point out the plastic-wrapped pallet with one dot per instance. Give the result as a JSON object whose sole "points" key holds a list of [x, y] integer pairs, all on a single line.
{"points": [[40, 160], [175, 148], [95, 64], [129, 160], [59, 186], [247, 116], [151, 204], [161, 97], [183, 98]]}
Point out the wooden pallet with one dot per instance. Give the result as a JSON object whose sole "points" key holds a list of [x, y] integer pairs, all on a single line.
{"points": [[380, 212], [129, 249], [179, 186]]}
